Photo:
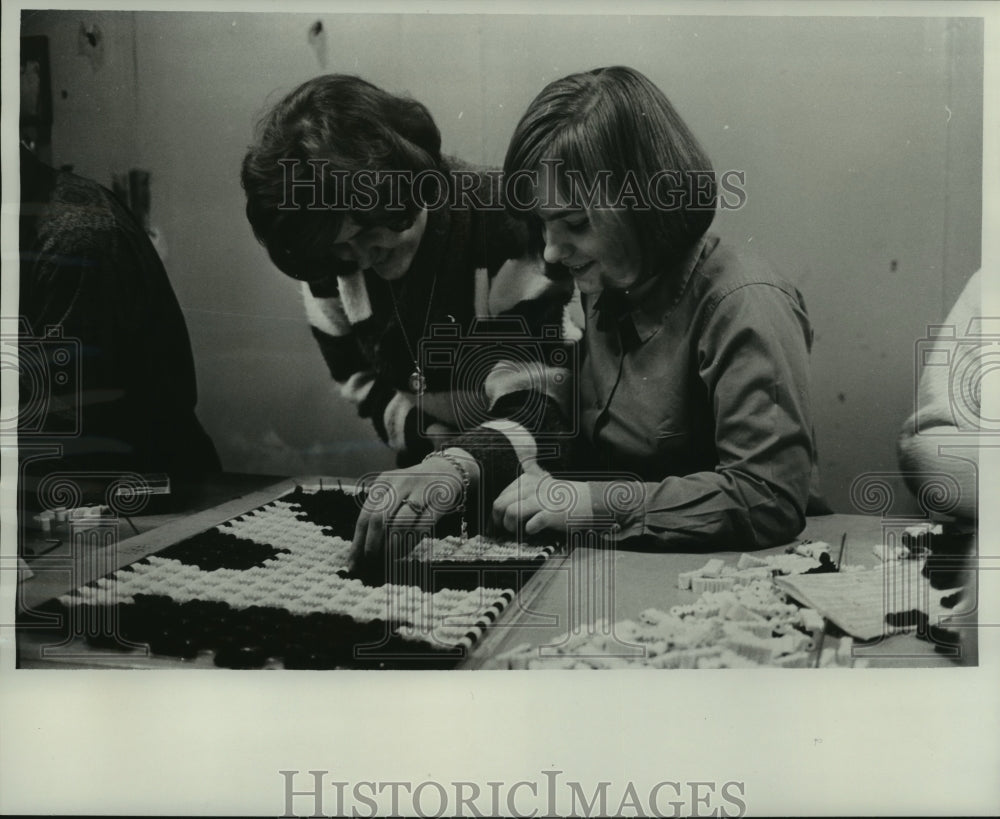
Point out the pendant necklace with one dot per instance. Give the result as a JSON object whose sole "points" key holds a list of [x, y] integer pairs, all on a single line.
{"points": [[417, 381]]}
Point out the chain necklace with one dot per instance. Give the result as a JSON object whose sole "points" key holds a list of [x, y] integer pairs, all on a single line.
{"points": [[417, 381]]}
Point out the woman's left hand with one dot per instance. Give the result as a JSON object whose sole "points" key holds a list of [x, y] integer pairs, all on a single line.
{"points": [[540, 501]]}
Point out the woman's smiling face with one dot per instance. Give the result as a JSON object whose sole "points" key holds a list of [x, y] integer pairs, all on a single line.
{"points": [[597, 249], [380, 248]]}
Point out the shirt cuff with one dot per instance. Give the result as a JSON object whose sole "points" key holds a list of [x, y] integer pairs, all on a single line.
{"points": [[622, 501]]}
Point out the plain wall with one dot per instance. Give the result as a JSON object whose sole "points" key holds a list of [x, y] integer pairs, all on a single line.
{"points": [[861, 140]]}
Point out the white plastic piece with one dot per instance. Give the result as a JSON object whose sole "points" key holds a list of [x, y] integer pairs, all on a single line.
{"points": [[713, 568], [812, 620], [748, 561], [812, 549], [884, 553]]}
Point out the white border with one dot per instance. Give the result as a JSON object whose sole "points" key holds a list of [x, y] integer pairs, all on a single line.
{"points": [[885, 742]]}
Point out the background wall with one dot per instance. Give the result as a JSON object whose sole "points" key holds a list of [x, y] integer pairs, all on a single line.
{"points": [[861, 140]]}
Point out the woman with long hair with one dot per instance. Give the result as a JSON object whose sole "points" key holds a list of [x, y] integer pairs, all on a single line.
{"points": [[694, 385]]}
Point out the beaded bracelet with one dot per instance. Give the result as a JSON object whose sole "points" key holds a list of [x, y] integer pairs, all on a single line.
{"points": [[466, 482]]}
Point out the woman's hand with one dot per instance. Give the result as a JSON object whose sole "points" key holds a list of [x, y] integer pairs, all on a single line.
{"points": [[439, 434], [539, 501], [410, 500]]}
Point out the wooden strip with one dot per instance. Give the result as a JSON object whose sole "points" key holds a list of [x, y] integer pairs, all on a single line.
{"points": [[511, 621]]}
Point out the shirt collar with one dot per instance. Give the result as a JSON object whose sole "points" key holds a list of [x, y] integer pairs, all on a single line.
{"points": [[651, 302]]}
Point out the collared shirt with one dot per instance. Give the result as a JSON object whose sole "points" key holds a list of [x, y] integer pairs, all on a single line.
{"points": [[695, 401]]}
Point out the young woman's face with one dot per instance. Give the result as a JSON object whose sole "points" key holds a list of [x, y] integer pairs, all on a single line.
{"points": [[387, 252], [596, 249]]}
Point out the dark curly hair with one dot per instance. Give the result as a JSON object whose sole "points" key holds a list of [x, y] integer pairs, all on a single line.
{"points": [[302, 169]]}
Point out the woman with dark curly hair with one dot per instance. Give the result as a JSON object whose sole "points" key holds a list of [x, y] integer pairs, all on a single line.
{"points": [[348, 190], [694, 386]]}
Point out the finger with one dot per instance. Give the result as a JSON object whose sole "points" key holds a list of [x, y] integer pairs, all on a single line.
{"points": [[504, 500], [356, 555], [511, 518], [419, 517], [523, 508], [405, 531], [523, 503], [500, 507], [374, 538], [508, 494], [537, 523], [530, 467]]}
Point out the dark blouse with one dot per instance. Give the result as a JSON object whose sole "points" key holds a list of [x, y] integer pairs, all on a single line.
{"points": [[107, 373], [444, 313], [695, 393]]}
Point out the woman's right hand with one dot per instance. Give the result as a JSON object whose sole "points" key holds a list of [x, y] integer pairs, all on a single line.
{"points": [[410, 500], [537, 501]]}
